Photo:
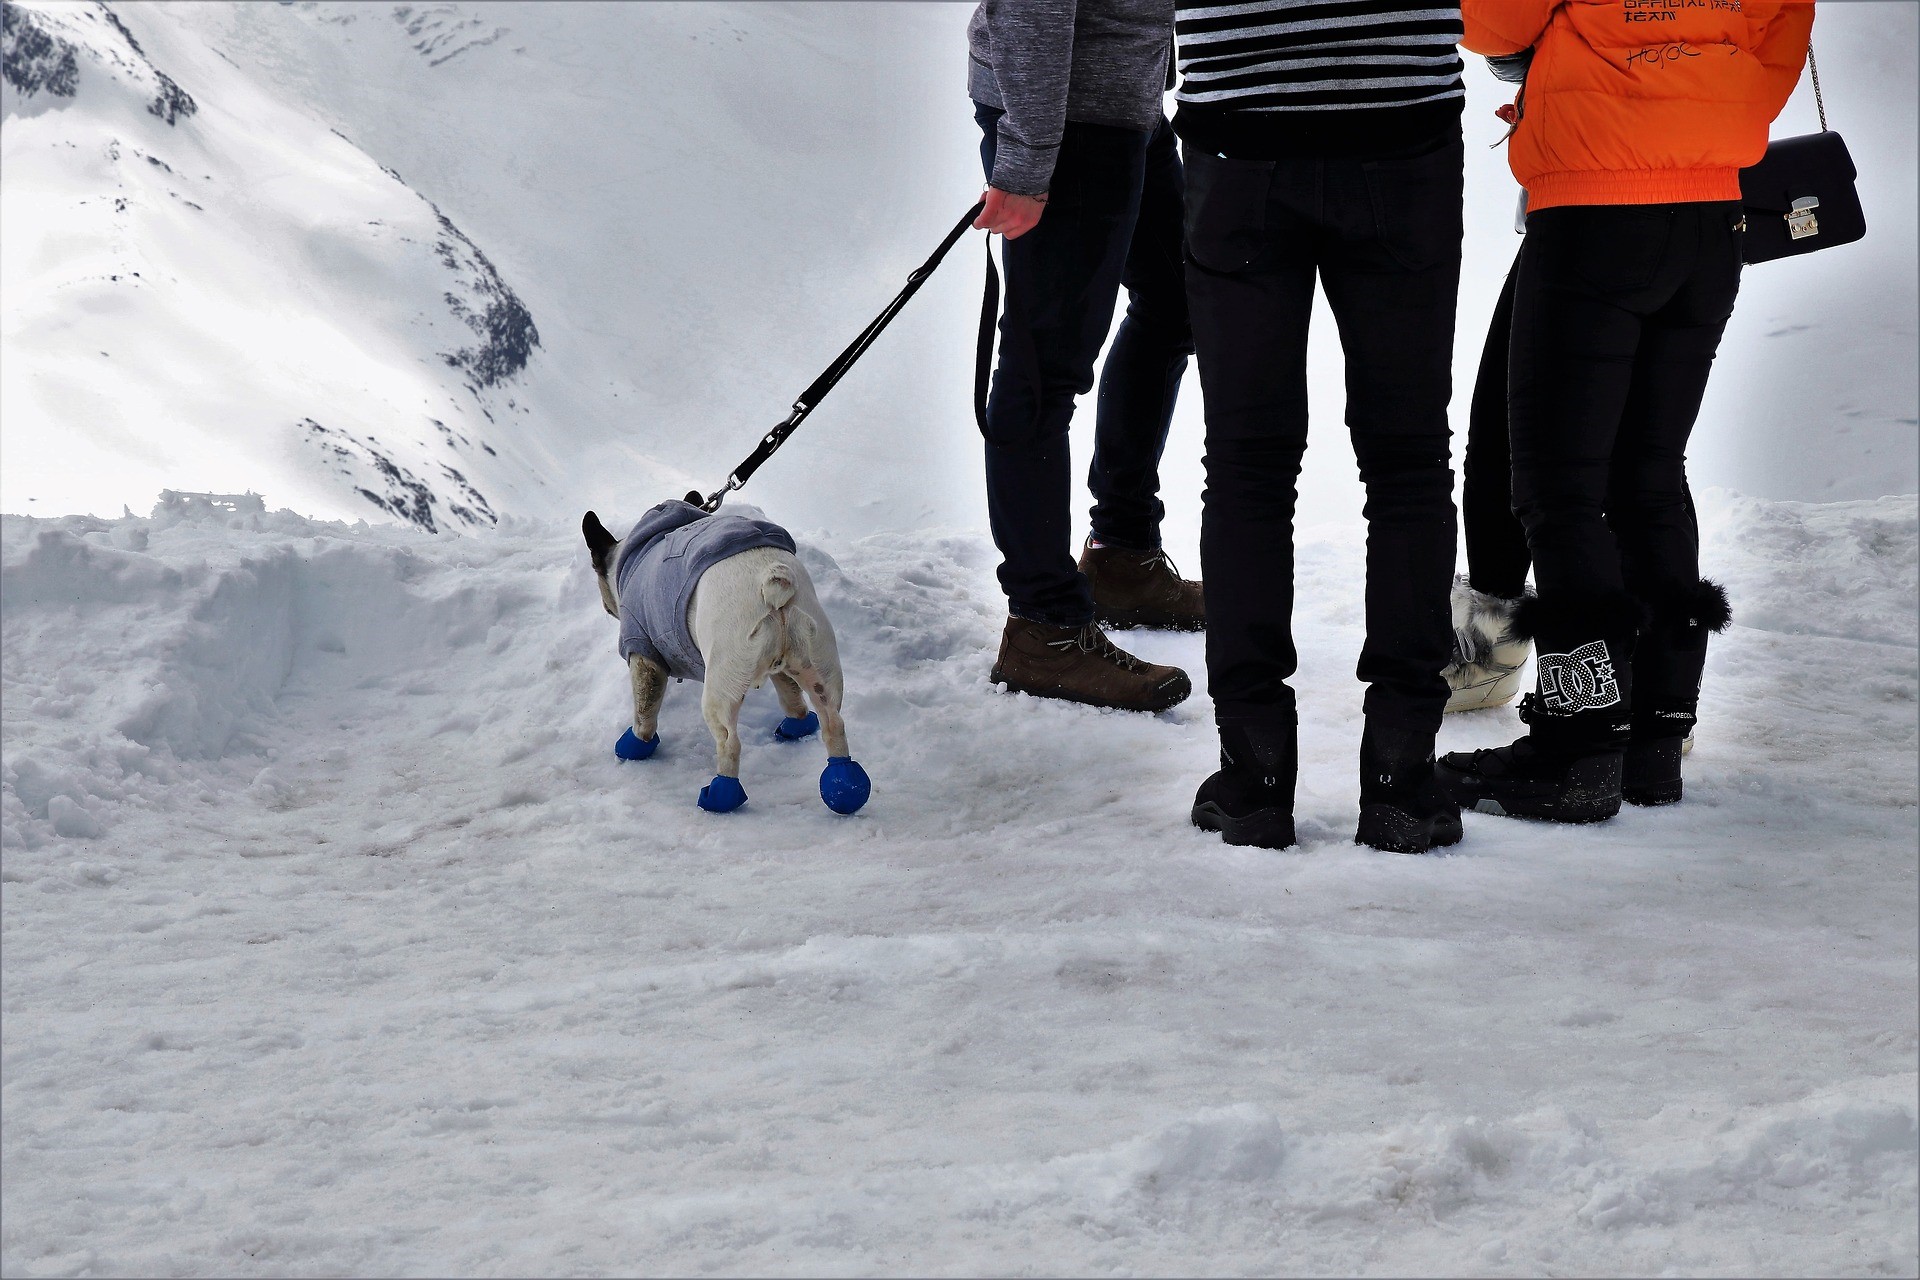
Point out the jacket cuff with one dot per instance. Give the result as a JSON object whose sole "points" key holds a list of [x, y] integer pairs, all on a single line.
{"points": [[1022, 170]]}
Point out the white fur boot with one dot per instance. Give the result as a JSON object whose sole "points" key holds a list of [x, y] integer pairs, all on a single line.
{"points": [[1485, 671]]}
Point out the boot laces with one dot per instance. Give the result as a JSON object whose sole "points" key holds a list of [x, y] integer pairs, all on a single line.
{"points": [[1161, 560], [1092, 640]]}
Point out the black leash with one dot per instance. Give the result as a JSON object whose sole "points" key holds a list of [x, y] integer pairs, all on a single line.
{"points": [[989, 312]]}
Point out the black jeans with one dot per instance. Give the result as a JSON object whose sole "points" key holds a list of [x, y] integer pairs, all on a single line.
{"points": [[1497, 555], [1112, 220], [1617, 314], [1383, 238]]}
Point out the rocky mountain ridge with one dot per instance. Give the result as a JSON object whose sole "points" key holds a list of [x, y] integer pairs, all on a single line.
{"points": [[95, 199]]}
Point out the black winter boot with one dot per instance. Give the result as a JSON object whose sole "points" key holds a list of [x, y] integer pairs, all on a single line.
{"points": [[1667, 664], [1568, 768], [1250, 800], [1650, 771], [1402, 808]]}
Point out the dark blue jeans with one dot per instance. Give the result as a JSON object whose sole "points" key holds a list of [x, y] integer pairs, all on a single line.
{"points": [[1113, 220]]}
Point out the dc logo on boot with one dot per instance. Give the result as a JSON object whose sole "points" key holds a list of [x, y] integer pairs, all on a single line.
{"points": [[1579, 681]]}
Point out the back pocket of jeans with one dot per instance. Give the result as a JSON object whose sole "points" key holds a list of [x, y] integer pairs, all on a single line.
{"points": [[1619, 248], [1417, 205], [1226, 210]]}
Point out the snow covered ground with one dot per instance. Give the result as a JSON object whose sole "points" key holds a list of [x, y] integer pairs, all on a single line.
{"points": [[338, 942]]}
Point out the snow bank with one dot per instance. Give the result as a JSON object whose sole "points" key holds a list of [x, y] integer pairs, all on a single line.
{"points": [[338, 941]]}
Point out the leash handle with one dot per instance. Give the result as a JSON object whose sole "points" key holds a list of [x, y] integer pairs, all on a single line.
{"points": [[817, 390], [983, 344]]}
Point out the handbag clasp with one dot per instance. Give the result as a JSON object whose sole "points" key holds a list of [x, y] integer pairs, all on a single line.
{"points": [[1801, 221]]}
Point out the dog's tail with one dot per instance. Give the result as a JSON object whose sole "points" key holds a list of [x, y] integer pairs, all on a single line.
{"points": [[776, 586]]}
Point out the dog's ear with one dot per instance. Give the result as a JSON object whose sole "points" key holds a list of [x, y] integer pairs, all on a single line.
{"points": [[599, 541]]}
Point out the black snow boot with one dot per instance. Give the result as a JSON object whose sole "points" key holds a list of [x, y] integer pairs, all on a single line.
{"points": [[1568, 768], [1667, 664], [1250, 800], [1650, 771], [1402, 808]]}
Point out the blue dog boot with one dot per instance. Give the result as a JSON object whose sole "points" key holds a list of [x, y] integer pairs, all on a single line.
{"points": [[792, 730], [722, 795], [632, 747], [844, 785]]}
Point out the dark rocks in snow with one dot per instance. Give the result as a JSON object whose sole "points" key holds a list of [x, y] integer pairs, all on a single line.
{"points": [[480, 300], [479, 509], [413, 502], [491, 309], [394, 488], [33, 59], [171, 101], [441, 32]]}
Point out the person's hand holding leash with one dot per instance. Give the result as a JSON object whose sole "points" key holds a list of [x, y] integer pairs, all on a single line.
{"points": [[1010, 215]]}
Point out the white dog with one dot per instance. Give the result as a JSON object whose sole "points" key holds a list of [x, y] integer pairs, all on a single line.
{"points": [[722, 599]]}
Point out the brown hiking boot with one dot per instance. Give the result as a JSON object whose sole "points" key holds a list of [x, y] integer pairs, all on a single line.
{"points": [[1141, 589], [1079, 664]]}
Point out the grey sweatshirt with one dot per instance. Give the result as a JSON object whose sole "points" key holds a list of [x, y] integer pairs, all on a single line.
{"points": [[657, 566], [1045, 62]]}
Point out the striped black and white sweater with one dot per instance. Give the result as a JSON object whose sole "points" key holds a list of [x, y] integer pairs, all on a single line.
{"points": [[1262, 79]]}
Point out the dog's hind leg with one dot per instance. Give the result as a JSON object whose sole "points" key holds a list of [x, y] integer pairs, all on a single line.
{"points": [[793, 700], [844, 785], [649, 687], [800, 722], [723, 719], [826, 689], [721, 708]]}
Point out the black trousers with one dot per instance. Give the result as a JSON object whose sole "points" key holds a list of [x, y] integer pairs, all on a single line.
{"points": [[1617, 313], [1113, 220], [1382, 237], [1497, 555]]}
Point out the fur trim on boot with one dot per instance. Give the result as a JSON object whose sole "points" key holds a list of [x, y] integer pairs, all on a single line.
{"points": [[1691, 604], [1487, 657]]}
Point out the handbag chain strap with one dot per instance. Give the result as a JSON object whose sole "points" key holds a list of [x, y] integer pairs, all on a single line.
{"points": [[1819, 102]]}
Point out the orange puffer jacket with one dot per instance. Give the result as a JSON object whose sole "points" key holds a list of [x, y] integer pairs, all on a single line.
{"points": [[1643, 101]]}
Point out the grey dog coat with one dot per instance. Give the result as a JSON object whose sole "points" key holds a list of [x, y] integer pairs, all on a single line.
{"points": [[658, 565]]}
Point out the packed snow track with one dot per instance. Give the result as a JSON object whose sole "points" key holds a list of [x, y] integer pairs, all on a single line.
{"points": [[338, 942]]}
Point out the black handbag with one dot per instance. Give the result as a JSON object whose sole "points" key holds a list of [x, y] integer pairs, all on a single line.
{"points": [[1801, 197]]}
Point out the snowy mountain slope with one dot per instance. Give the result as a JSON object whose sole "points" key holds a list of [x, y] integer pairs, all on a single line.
{"points": [[665, 347], [701, 203], [210, 289], [338, 942]]}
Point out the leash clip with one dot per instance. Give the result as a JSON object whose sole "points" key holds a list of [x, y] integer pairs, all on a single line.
{"points": [[713, 500]]}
